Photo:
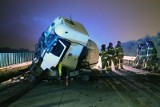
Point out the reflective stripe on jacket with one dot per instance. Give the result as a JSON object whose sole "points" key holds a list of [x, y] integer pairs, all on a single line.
{"points": [[103, 54], [119, 50], [111, 51], [151, 51], [142, 52]]}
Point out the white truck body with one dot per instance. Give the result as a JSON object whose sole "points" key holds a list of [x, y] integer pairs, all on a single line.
{"points": [[67, 46]]}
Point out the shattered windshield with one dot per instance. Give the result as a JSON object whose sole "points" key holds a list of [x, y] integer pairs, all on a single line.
{"points": [[46, 41]]}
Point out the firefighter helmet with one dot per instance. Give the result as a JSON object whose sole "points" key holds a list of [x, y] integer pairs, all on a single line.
{"points": [[141, 44], [150, 43], [119, 42], [110, 44], [103, 45]]}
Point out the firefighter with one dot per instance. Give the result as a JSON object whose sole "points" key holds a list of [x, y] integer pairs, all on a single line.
{"points": [[151, 59], [104, 56], [158, 65], [119, 55], [111, 56], [137, 56], [142, 53], [60, 69]]}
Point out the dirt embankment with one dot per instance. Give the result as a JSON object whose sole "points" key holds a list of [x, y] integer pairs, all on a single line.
{"points": [[13, 70]]}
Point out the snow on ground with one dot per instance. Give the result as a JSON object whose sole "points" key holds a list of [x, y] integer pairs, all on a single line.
{"points": [[16, 66], [99, 64]]}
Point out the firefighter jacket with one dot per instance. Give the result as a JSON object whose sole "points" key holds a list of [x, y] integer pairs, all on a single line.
{"points": [[142, 53], [103, 53], [151, 51], [111, 51], [119, 50]]}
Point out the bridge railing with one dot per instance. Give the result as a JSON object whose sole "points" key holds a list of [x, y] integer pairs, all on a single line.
{"points": [[7, 59]]}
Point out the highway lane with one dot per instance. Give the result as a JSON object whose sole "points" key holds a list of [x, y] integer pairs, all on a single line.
{"points": [[124, 88]]}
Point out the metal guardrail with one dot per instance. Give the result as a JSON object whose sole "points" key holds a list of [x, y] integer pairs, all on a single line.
{"points": [[131, 58], [128, 60], [7, 59]]}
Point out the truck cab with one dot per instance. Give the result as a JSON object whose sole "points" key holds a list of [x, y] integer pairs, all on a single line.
{"points": [[65, 41]]}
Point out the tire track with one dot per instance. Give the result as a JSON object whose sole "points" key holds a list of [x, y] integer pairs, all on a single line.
{"points": [[11, 91], [12, 94], [138, 86], [124, 92]]}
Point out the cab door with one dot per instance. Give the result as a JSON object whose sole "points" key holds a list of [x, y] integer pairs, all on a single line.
{"points": [[53, 57]]}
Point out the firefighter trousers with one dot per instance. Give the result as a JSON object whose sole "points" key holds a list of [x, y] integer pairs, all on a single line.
{"points": [[119, 62], [104, 63], [110, 60]]}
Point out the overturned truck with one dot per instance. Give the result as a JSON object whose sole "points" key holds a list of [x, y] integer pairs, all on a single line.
{"points": [[64, 48]]}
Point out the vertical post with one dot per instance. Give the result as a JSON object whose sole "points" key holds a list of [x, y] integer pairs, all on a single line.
{"points": [[0, 59], [12, 60], [7, 55], [5, 58], [15, 58]]}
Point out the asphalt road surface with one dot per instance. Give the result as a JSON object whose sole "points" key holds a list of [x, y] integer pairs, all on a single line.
{"points": [[124, 88]]}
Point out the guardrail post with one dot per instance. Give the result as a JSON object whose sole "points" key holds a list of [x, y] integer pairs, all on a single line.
{"points": [[0, 59]]}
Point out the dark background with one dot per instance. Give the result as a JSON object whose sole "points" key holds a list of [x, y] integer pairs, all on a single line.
{"points": [[23, 21]]}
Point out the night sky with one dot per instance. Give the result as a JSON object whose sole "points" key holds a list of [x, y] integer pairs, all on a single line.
{"points": [[23, 21]]}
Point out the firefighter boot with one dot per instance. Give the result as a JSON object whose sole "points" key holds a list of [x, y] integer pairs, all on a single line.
{"points": [[109, 69], [116, 68], [121, 66]]}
